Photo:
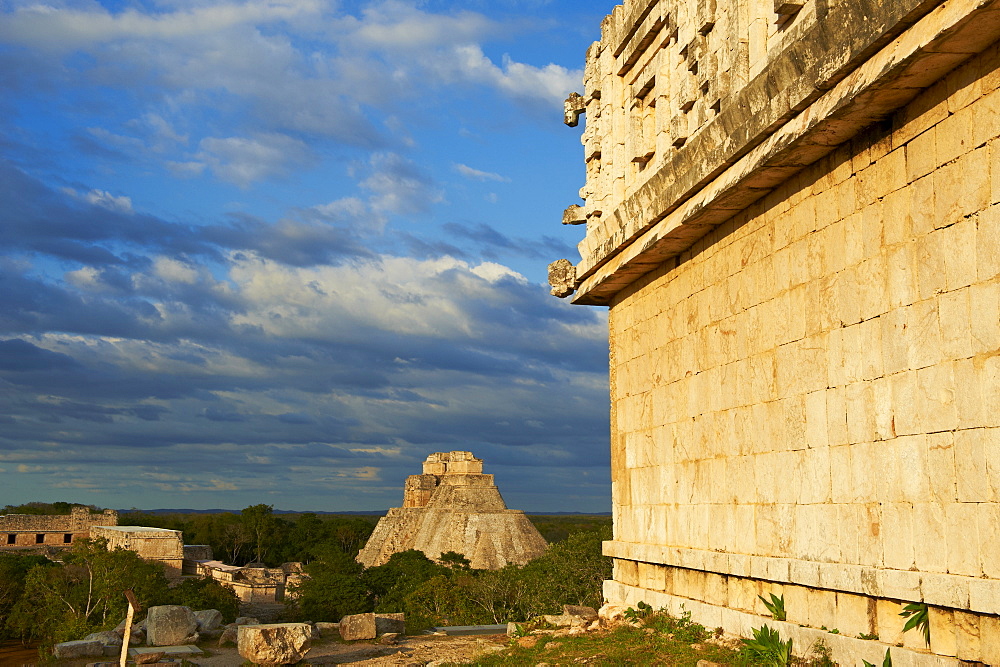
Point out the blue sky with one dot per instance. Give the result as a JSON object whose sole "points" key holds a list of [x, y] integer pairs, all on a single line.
{"points": [[279, 251]]}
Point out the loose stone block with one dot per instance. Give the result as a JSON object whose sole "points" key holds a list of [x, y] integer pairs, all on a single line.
{"points": [[358, 626], [394, 623], [325, 629], [78, 649], [275, 643], [209, 622], [170, 625]]}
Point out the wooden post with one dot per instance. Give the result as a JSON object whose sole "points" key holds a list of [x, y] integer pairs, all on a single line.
{"points": [[133, 608]]}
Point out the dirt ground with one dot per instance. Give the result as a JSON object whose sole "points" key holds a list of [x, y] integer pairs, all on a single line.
{"points": [[418, 650]]}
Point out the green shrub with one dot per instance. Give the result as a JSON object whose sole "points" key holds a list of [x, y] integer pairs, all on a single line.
{"points": [[917, 616], [206, 594], [766, 649], [776, 606]]}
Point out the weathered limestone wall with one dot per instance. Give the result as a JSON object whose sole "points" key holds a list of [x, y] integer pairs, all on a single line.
{"points": [[453, 506], [58, 530], [154, 544], [804, 317]]}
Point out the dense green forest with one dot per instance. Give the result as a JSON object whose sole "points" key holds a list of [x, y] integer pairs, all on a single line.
{"points": [[58, 507], [257, 535], [50, 602], [42, 600]]}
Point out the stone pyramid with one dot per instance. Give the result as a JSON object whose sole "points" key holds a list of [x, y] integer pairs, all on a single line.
{"points": [[453, 506]]}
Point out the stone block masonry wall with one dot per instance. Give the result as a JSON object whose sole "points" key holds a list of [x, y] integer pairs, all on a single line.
{"points": [[154, 544], [807, 401], [804, 294]]}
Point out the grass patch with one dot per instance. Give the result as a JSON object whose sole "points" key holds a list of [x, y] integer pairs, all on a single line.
{"points": [[661, 639]]}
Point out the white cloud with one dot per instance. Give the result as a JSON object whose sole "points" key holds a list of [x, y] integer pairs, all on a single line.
{"points": [[401, 26], [245, 160], [399, 186], [549, 84], [102, 198], [395, 294], [161, 132], [87, 278], [493, 272], [477, 175], [62, 29], [349, 208], [186, 169], [107, 200], [175, 271]]}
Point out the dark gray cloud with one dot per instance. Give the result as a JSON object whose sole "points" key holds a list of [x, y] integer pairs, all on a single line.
{"points": [[19, 356], [488, 242], [87, 229]]}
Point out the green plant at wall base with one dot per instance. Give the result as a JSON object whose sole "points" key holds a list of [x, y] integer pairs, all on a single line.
{"points": [[822, 655], [681, 628], [886, 661], [776, 606], [519, 631], [642, 610], [766, 649], [917, 616], [865, 635]]}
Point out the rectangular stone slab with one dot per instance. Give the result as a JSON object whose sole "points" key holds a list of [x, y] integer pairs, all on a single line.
{"points": [[456, 630], [186, 649]]}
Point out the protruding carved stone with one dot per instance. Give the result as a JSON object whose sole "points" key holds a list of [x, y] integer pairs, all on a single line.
{"points": [[574, 105], [562, 277], [785, 9], [574, 215]]}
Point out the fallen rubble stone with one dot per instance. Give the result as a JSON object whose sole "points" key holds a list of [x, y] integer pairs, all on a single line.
{"points": [[611, 613], [358, 626], [148, 658], [170, 625], [326, 629], [390, 623], [81, 648], [586, 613], [209, 622], [229, 632], [274, 643]]}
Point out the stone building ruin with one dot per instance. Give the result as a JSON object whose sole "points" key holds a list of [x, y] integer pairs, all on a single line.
{"points": [[160, 545], [792, 213], [40, 532], [453, 506], [50, 534]]}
